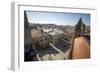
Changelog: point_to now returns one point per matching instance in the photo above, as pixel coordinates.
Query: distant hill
(67, 28)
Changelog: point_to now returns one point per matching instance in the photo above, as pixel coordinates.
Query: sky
(58, 18)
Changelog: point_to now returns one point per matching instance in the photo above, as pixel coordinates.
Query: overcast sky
(58, 18)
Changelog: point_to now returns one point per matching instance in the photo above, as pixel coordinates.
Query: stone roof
(36, 33)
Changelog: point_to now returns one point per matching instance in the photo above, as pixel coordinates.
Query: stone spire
(80, 22)
(27, 33)
(25, 20)
(79, 28)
